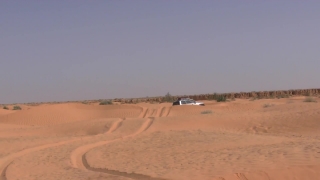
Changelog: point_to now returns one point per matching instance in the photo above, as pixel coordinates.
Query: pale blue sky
(77, 50)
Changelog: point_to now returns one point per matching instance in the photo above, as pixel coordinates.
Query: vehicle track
(241, 176)
(78, 154)
(153, 113)
(158, 112)
(7, 160)
(115, 125)
(165, 111)
(118, 173)
(143, 112)
(3, 173)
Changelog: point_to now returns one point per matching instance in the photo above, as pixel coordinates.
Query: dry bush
(206, 112)
(85, 102)
(17, 108)
(309, 99)
(106, 102)
(253, 98)
(268, 105)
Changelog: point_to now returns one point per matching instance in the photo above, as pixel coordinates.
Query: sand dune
(5, 112)
(63, 113)
(237, 140)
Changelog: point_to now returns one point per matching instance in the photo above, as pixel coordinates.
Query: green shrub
(221, 98)
(212, 96)
(215, 96)
(16, 108)
(106, 102)
(218, 97)
(5, 107)
(168, 98)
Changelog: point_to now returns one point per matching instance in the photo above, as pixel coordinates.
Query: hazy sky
(77, 49)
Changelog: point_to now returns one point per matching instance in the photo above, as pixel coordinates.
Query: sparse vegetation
(268, 105)
(253, 98)
(206, 112)
(309, 99)
(285, 96)
(211, 96)
(106, 102)
(5, 107)
(218, 97)
(308, 94)
(84, 102)
(168, 98)
(33, 104)
(17, 108)
(221, 98)
(282, 96)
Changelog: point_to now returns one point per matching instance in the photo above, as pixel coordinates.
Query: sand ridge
(241, 139)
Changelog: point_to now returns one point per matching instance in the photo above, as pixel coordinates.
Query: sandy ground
(269, 139)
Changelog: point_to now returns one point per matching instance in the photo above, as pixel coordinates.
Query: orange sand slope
(267, 139)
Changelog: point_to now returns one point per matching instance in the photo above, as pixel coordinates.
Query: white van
(187, 101)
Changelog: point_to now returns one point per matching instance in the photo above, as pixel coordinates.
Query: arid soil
(244, 139)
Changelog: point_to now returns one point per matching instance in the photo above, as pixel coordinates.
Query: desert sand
(265, 139)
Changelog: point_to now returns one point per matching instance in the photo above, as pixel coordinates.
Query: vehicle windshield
(188, 102)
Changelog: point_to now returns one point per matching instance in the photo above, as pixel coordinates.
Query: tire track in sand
(165, 111)
(160, 112)
(144, 112)
(241, 176)
(115, 125)
(4, 172)
(78, 156)
(118, 173)
(7, 160)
